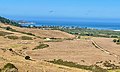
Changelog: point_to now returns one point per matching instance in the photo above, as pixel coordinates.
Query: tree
(8, 28)
(114, 40)
(118, 40)
(27, 57)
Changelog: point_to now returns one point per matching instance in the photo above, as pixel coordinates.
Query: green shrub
(26, 38)
(12, 37)
(9, 65)
(41, 46)
(8, 28)
(10, 49)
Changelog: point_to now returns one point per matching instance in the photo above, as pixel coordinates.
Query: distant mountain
(8, 21)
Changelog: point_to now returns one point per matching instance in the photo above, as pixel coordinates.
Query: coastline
(89, 25)
(116, 30)
(97, 28)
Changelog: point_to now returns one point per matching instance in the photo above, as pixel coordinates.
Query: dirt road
(105, 50)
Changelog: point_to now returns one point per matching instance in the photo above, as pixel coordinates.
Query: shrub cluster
(117, 41)
(12, 37)
(26, 38)
(112, 66)
(22, 37)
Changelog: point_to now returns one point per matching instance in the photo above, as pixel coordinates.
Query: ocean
(104, 24)
(95, 25)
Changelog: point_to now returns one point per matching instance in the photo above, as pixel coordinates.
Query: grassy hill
(15, 41)
(37, 50)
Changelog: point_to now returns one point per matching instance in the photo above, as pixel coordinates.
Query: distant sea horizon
(95, 23)
(81, 24)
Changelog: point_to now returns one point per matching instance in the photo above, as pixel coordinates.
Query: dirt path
(104, 50)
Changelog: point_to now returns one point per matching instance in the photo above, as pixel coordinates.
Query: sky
(61, 8)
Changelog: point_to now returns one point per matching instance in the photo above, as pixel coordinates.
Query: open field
(108, 44)
(19, 48)
(81, 50)
(42, 33)
(74, 50)
(23, 65)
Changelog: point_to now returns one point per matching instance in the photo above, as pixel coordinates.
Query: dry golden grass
(81, 51)
(22, 46)
(74, 50)
(42, 33)
(108, 44)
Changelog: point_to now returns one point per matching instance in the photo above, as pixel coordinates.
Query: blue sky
(61, 8)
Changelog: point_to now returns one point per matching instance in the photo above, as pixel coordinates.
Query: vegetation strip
(91, 32)
(2, 33)
(13, 30)
(9, 68)
(41, 46)
(93, 68)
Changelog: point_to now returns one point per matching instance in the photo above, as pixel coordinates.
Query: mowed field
(79, 51)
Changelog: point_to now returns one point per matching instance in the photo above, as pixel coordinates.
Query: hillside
(42, 33)
(37, 50)
(16, 41)
(38, 32)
